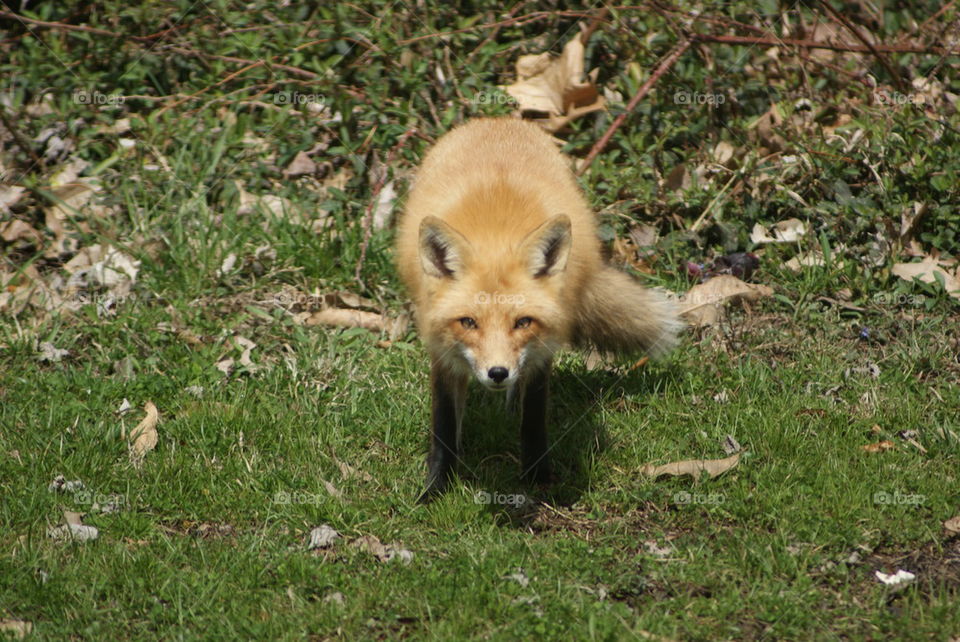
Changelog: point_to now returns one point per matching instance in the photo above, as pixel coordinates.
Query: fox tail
(618, 314)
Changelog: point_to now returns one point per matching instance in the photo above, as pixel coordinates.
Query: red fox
(499, 251)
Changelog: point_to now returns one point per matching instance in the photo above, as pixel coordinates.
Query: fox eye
(468, 322)
(522, 322)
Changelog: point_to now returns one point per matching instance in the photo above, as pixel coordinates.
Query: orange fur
(499, 251)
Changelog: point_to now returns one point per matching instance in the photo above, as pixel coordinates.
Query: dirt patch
(201, 530)
(936, 565)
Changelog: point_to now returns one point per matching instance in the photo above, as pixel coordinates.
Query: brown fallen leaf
(17, 629)
(347, 471)
(9, 195)
(703, 304)
(333, 490)
(348, 318)
(300, 165)
(953, 525)
(788, 231)
(556, 87)
(371, 544)
(143, 438)
(879, 446)
(17, 230)
(926, 272)
(693, 467)
(73, 529)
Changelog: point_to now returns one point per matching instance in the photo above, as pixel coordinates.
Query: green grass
(210, 536)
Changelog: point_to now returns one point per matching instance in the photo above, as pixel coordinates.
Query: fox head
(495, 307)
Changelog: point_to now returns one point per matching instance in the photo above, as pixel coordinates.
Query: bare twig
(297, 71)
(592, 26)
(815, 44)
(68, 27)
(637, 97)
(842, 19)
(227, 79)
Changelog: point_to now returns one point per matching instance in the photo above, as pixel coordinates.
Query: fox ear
(441, 248)
(548, 247)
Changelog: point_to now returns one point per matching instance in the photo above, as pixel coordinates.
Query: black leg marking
(448, 396)
(533, 428)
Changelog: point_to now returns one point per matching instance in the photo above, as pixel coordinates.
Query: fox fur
(498, 249)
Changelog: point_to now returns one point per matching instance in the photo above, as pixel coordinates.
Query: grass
(326, 426)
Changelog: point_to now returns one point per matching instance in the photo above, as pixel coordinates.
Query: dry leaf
(17, 230)
(556, 87)
(703, 303)
(800, 261)
(384, 553)
(74, 529)
(900, 577)
(322, 536)
(879, 446)
(143, 438)
(347, 471)
(300, 165)
(953, 525)
(102, 265)
(247, 346)
(51, 353)
(372, 321)
(693, 467)
(910, 219)
(9, 195)
(16, 628)
(723, 152)
(383, 211)
(788, 231)
(926, 270)
(333, 490)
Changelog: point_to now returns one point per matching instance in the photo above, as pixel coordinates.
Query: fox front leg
(533, 428)
(449, 397)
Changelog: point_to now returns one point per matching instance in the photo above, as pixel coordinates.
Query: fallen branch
(637, 97)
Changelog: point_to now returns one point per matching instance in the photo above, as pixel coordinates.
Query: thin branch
(303, 73)
(68, 27)
(592, 26)
(637, 97)
(839, 17)
(815, 44)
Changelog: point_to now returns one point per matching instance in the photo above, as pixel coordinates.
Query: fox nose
(498, 373)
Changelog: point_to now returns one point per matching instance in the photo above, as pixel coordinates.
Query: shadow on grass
(491, 434)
